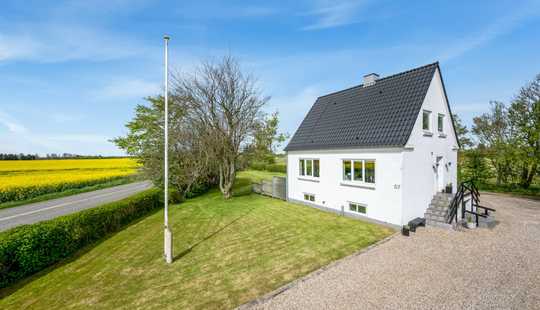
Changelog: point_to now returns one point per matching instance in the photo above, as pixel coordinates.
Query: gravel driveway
(436, 269)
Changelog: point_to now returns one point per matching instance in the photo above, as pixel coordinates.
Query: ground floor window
(358, 208)
(359, 170)
(309, 197)
(309, 167)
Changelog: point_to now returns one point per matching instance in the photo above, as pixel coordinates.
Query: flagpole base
(168, 250)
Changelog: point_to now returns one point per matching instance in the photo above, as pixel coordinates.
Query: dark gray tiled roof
(380, 115)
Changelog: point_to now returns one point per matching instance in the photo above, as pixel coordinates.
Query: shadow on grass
(5, 292)
(193, 246)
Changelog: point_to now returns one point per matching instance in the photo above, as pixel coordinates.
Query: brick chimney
(370, 79)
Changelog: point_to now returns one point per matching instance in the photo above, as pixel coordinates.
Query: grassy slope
(227, 253)
(257, 176)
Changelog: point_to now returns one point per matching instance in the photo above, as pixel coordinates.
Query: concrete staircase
(437, 213)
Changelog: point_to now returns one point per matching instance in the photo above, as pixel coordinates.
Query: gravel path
(436, 269)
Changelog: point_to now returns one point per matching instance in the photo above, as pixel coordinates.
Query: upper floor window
(426, 120)
(440, 123)
(359, 170)
(309, 167)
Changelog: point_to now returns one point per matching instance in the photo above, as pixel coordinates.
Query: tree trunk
(528, 175)
(227, 174)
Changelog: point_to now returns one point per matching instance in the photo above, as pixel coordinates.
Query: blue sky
(72, 72)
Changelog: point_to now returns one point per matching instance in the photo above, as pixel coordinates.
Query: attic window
(426, 120)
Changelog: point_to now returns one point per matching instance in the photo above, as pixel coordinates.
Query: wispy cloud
(129, 88)
(470, 108)
(204, 10)
(331, 14)
(500, 27)
(64, 42)
(11, 123)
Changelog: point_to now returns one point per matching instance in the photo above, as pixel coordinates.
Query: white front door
(440, 174)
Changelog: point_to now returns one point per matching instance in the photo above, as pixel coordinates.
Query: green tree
(475, 166)
(190, 165)
(266, 140)
(493, 132)
(524, 119)
(462, 132)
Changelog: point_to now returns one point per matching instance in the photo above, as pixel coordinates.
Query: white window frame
(352, 180)
(440, 116)
(309, 197)
(363, 205)
(429, 122)
(305, 175)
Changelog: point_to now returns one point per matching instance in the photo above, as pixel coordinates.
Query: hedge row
(269, 167)
(28, 192)
(27, 249)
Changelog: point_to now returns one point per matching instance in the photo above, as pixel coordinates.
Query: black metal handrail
(466, 189)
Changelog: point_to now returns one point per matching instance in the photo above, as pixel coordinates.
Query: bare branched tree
(223, 106)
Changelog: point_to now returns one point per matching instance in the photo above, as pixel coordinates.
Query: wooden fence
(276, 188)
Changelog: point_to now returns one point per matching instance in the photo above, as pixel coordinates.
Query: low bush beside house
(268, 167)
(27, 249)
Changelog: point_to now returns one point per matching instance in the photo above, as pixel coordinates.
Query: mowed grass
(258, 176)
(227, 252)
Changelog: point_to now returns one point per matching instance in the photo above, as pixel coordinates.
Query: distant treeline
(21, 156)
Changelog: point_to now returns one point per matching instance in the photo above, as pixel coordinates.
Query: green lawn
(257, 175)
(226, 253)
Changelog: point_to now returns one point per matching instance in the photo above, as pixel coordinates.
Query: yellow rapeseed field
(25, 179)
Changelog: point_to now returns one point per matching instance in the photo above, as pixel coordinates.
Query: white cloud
(334, 13)
(11, 124)
(470, 108)
(293, 107)
(129, 88)
(62, 118)
(500, 27)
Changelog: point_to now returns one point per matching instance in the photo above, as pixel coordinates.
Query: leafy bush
(269, 167)
(277, 168)
(27, 249)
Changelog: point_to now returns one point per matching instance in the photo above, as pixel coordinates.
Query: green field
(227, 252)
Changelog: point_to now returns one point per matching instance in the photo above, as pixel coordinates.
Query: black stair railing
(465, 190)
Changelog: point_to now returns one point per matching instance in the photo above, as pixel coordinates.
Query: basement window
(309, 197)
(358, 208)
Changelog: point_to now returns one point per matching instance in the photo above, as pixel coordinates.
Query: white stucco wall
(406, 179)
(383, 201)
(419, 185)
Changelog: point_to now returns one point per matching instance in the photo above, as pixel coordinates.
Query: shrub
(27, 249)
(261, 166)
(277, 168)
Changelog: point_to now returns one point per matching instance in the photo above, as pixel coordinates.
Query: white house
(381, 149)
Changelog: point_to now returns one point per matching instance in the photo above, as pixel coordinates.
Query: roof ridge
(384, 78)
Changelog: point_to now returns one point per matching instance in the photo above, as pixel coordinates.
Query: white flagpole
(168, 233)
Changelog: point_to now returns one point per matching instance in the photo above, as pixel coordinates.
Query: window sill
(309, 179)
(358, 184)
(442, 135)
(428, 133)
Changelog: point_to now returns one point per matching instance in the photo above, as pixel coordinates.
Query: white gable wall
(383, 200)
(419, 175)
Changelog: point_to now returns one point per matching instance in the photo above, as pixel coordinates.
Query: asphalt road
(46, 210)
